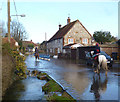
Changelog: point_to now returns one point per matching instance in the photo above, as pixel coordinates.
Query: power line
(15, 9)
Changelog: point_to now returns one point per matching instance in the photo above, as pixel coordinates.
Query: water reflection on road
(78, 78)
(27, 89)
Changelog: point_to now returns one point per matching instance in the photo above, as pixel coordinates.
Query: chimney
(68, 20)
(60, 26)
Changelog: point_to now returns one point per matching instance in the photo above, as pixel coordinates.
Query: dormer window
(70, 40)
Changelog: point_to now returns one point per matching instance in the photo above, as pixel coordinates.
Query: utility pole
(8, 20)
(45, 36)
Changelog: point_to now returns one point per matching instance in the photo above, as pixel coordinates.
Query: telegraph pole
(45, 36)
(8, 4)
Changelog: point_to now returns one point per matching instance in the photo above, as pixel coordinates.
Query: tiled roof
(30, 42)
(44, 42)
(5, 40)
(68, 46)
(71, 46)
(62, 31)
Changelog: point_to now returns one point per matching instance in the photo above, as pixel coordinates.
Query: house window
(58, 50)
(85, 41)
(56, 41)
(70, 41)
(50, 50)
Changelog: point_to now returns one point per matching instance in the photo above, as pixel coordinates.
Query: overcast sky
(44, 16)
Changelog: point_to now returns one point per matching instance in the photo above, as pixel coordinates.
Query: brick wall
(110, 48)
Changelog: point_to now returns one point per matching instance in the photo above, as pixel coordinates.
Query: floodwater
(78, 79)
(27, 89)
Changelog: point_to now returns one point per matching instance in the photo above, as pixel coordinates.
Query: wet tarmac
(79, 79)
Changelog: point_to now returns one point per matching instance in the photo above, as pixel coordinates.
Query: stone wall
(55, 46)
(8, 66)
(109, 48)
(77, 32)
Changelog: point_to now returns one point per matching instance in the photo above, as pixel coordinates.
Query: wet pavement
(78, 79)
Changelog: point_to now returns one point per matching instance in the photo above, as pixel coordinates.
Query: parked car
(89, 60)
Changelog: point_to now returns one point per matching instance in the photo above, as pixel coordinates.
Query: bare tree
(18, 31)
(3, 29)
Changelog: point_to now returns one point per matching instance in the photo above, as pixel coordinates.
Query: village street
(75, 77)
(47, 49)
(79, 79)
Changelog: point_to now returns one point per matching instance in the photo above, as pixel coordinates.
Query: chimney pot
(60, 26)
(68, 20)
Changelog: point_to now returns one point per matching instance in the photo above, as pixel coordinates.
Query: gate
(81, 51)
(73, 53)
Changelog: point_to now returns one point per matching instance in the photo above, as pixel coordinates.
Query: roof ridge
(62, 31)
(70, 23)
(85, 28)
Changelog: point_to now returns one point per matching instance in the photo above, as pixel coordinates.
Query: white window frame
(70, 40)
(51, 50)
(85, 40)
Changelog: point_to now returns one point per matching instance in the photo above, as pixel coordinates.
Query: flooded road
(79, 79)
(27, 89)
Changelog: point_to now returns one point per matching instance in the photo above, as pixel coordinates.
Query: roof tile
(62, 31)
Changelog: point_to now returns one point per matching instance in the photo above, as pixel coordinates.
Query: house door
(56, 51)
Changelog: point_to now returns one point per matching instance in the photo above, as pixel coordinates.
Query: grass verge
(54, 92)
